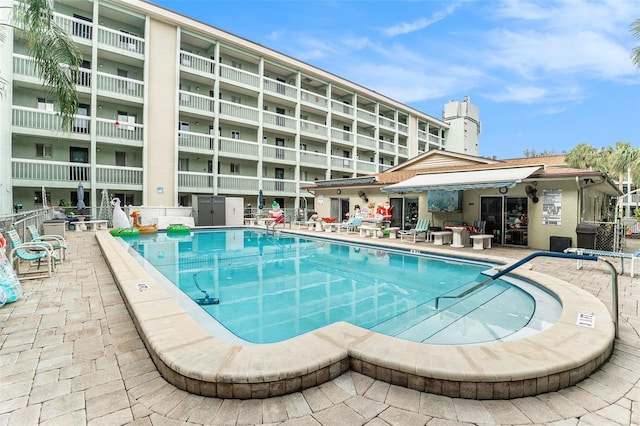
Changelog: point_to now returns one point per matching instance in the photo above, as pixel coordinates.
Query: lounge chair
(57, 241)
(345, 224)
(34, 253)
(422, 227)
(604, 253)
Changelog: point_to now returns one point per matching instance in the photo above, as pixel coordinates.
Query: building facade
(170, 107)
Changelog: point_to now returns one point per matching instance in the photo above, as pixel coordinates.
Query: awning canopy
(471, 179)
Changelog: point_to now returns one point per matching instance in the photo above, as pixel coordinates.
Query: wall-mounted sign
(552, 207)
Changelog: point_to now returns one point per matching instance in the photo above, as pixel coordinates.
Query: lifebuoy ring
(178, 229)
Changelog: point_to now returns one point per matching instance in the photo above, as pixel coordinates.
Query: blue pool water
(271, 288)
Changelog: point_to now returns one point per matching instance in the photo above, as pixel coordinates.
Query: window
(235, 134)
(44, 150)
(81, 121)
(125, 159)
(279, 175)
(126, 199)
(37, 197)
(45, 104)
(236, 99)
(124, 118)
(234, 168)
(183, 164)
(183, 128)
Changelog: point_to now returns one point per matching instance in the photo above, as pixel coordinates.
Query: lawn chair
(57, 241)
(421, 227)
(34, 253)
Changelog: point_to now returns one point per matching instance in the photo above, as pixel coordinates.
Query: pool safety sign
(586, 319)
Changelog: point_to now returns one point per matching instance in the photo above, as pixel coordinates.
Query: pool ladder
(506, 270)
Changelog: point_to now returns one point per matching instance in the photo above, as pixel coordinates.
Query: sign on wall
(552, 207)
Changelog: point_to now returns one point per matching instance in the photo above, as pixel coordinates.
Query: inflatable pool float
(178, 229)
(144, 229)
(124, 232)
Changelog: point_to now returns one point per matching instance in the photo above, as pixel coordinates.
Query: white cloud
(419, 24)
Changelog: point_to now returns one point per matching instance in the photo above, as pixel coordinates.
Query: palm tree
(57, 58)
(635, 53)
(622, 159)
(583, 156)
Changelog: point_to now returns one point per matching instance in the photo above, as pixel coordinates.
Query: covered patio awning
(470, 179)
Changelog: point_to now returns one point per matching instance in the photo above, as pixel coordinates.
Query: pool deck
(70, 354)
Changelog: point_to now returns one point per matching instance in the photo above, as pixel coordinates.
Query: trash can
(55, 227)
(586, 235)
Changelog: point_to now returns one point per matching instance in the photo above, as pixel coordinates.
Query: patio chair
(58, 242)
(32, 252)
(422, 227)
(345, 224)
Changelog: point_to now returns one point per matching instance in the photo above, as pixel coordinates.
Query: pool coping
(191, 359)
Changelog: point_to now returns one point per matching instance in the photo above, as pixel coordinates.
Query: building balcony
(278, 154)
(387, 123)
(281, 187)
(120, 88)
(237, 76)
(195, 182)
(37, 122)
(312, 129)
(366, 142)
(238, 148)
(366, 116)
(195, 142)
(280, 89)
(198, 65)
(121, 43)
(342, 164)
(403, 128)
(279, 121)
(387, 147)
(26, 172)
(197, 104)
(342, 109)
(117, 133)
(366, 167)
(236, 184)
(341, 137)
(238, 112)
(313, 99)
(403, 151)
(308, 158)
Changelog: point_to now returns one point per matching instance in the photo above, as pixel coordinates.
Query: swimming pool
(264, 289)
(196, 359)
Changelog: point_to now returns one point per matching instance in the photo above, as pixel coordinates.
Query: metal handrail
(614, 278)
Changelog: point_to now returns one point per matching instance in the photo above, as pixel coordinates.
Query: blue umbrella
(81, 206)
(260, 200)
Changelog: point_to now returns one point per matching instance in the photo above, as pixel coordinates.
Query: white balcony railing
(311, 128)
(119, 175)
(197, 141)
(403, 128)
(79, 29)
(120, 85)
(313, 159)
(278, 153)
(113, 129)
(366, 142)
(279, 120)
(237, 147)
(25, 66)
(237, 183)
(343, 136)
(387, 146)
(313, 98)
(121, 41)
(279, 185)
(341, 163)
(342, 108)
(280, 88)
(191, 62)
(367, 116)
(366, 167)
(194, 181)
(197, 102)
(403, 151)
(387, 122)
(422, 135)
(238, 111)
(49, 171)
(237, 75)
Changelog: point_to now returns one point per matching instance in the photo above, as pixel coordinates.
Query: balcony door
(78, 155)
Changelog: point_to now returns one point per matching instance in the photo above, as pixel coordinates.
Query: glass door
(506, 218)
(491, 211)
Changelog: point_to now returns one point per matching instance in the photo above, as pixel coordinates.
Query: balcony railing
(342, 163)
(387, 147)
(37, 119)
(286, 187)
(341, 136)
(121, 41)
(279, 120)
(59, 171)
(387, 122)
(237, 147)
(366, 167)
(237, 75)
(78, 28)
(25, 66)
(197, 103)
(313, 99)
(239, 184)
(119, 175)
(280, 88)
(422, 135)
(313, 159)
(278, 153)
(403, 128)
(366, 142)
(120, 86)
(238, 111)
(342, 108)
(119, 132)
(192, 140)
(403, 151)
(200, 64)
(311, 128)
(367, 116)
(193, 181)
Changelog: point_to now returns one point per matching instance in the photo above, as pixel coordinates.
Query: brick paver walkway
(70, 355)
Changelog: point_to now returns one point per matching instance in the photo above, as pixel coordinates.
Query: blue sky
(545, 75)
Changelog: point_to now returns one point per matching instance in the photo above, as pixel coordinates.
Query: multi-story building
(171, 107)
